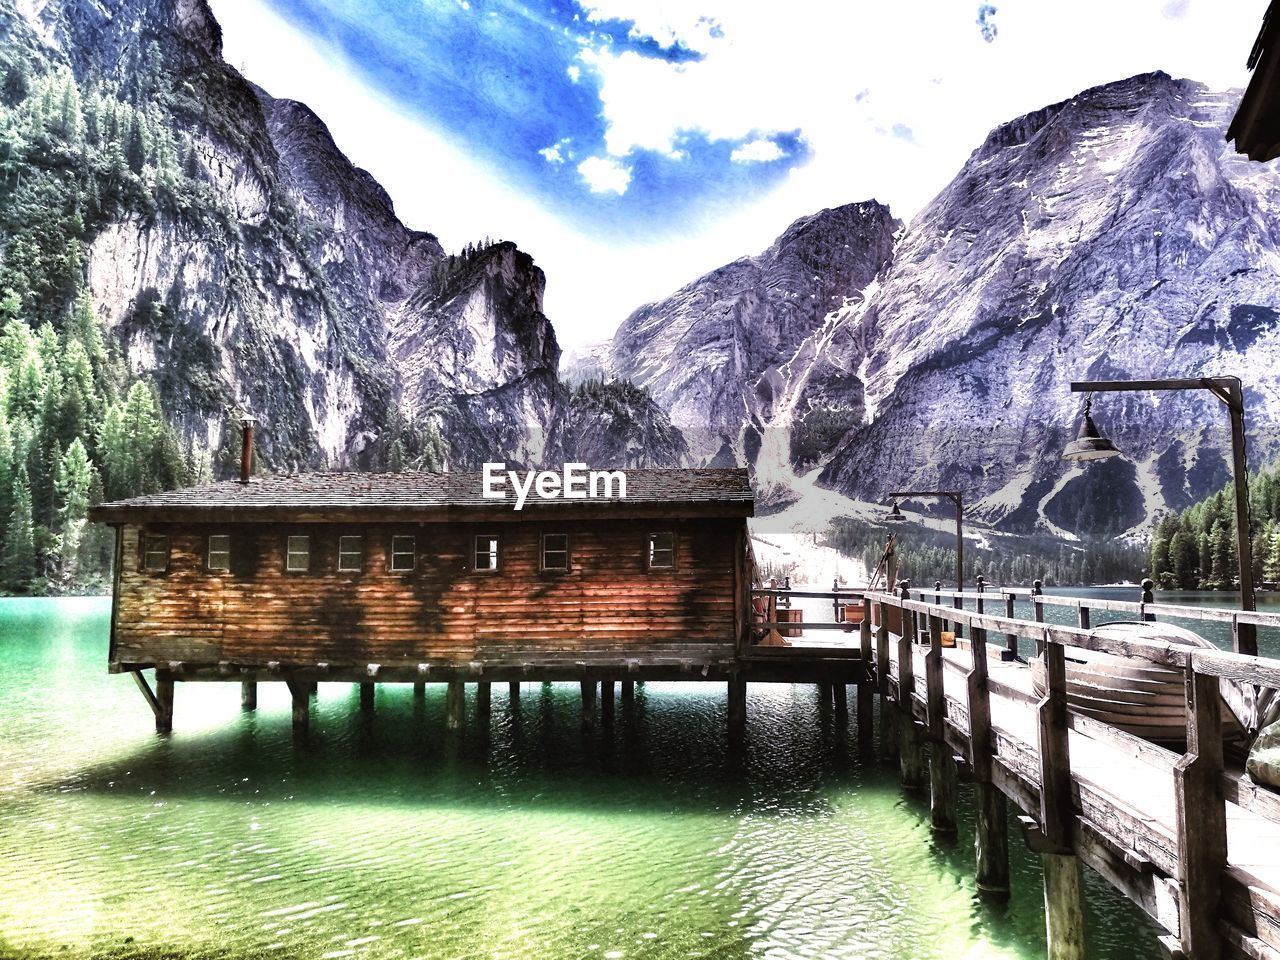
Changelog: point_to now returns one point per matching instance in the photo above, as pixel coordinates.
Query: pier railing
(769, 632)
(1209, 913)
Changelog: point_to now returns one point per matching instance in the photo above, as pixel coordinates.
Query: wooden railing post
(1148, 596)
(1082, 617)
(991, 833)
(1201, 818)
(942, 763)
(866, 685)
(1037, 611)
(1063, 896)
(1010, 639)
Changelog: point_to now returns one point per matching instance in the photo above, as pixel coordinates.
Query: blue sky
(631, 145)
(519, 84)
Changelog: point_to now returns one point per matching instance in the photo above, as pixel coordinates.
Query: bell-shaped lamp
(1089, 443)
(895, 515)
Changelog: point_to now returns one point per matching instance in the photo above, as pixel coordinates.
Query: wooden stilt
(588, 703)
(606, 700)
(513, 694)
(866, 716)
(888, 735)
(991, 839)
(419, 690)
(824, 694)
(942, 763)
(249, 695)
(737, 709)
(991, 833)
(484, 697)
(366, 697)
(628, 692)
(1063, 906)
(942, 788)
(300, 692)
(840, 698)
(314, 690)
(455, 704)
(164, 703)
(911, 759)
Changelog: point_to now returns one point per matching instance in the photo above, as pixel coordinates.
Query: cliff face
(258, 268)
(710, 353)
(1116, 235)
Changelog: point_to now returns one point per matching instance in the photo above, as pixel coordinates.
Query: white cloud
(555, 154)
(757, 151)
(605, 175)
(575, 72)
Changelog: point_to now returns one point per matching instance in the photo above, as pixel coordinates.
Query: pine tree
(73, 487)
(18, 552)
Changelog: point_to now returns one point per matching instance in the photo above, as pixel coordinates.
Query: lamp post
(1092, 445)
(954, 496)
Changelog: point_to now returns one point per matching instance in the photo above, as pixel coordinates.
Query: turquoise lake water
(523, 836)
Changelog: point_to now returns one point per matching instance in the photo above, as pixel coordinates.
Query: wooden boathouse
(418, 577)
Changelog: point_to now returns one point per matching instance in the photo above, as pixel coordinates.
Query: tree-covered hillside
(1196, 548)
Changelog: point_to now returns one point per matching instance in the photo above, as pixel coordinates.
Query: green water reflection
(523, 837)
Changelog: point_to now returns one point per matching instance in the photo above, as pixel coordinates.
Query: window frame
(650, 550)
(495, 553)
(567, 551)
(209, 553)
(145, 550)
(359, 552)
(289, 553)
(412, 552)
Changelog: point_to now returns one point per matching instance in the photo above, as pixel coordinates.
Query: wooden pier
(1194, 843)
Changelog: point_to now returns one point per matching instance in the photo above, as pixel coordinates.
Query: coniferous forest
(1196, 548)
(73, 427)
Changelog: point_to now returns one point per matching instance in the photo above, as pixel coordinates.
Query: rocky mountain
(710, 354)
(1113, 235)
(241, 261)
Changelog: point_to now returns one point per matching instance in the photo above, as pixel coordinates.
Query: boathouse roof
(339, 497)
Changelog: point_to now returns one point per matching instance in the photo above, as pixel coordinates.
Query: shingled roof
(336, 497)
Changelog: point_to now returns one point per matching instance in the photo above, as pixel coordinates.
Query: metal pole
(959, 543)
(1247, 633)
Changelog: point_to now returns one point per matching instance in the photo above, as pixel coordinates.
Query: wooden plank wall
(443, 611)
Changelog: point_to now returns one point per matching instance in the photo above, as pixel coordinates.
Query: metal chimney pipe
(246, 448)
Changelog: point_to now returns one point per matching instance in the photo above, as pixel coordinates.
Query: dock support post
(888, 737)
(1063, 896)
(1201, 818)
(910, 746)
(588, 703)
(513, 694)
(737, 709)
(606, 701)
(455, 702)
(419, 690)
(300, 693)
(366, 697)
(942, 763)
(164, 702)
(991, 834)
(824, 694)
(1063, 906)
(484, 697)
(840, 697)
(249, 695)
(866, 717)
(628, 693)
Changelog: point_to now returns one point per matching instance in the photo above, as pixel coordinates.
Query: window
(298, 555)
(404, 553)
(350, 554)
(219, 556)
(662, 551)
(155, 553)
(486, 552)
(555, 552)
